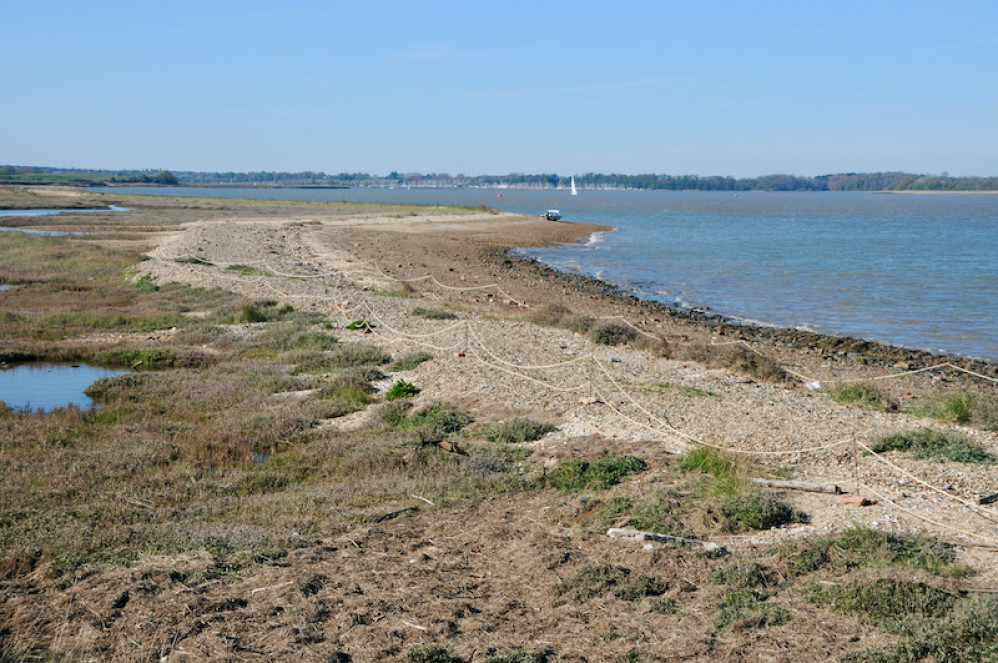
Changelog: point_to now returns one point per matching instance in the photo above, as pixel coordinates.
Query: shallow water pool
(43, 386)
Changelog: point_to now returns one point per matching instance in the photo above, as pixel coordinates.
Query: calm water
(914, 270)
(51, 212)
(44, 386)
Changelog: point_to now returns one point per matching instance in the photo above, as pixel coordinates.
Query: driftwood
(631, 534)
(988, 499)
(800, 485)
(393, 514)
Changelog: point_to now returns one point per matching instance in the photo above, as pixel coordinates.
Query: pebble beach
(489, 357)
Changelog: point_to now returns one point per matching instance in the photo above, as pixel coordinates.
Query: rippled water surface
(913, 270)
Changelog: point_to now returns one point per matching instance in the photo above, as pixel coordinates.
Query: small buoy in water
(500, 195)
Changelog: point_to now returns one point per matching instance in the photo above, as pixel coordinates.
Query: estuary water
(919, 271)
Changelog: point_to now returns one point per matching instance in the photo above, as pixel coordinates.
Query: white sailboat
(574, 192)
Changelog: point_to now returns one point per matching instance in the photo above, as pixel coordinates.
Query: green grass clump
(433, 313)
(266, 310)
(349, 390)
(863, 395)
(748, 609)
(521, 656)
(145, 284)
(246, 270)
(401, 389)
(884, 601)
(555, 315)
(858, 547)
(155, 358)
(968, 632)
(430, 654)
(756, 510)
(409, 361)
(743, 573)
(438, 420)
(357, 354)
(934, 624)
(955, 407)
(986, 412)
(575, 475)
(661, 512)
(935, 445)
(600, 579)
(612, 333)
(432, 423)
(191, 260)
(726, 476)
(517, 431)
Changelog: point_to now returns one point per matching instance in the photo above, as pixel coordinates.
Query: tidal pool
(43, 386)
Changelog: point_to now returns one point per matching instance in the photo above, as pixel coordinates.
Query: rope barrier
(974, 507)
(567, 362)
(499, 367)
(474, 343)
(932, 521)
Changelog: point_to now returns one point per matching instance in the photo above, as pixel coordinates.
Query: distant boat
(574, 192)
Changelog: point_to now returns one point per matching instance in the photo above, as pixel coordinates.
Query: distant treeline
(889, 181)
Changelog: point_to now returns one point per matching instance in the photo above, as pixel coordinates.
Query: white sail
(574, 192)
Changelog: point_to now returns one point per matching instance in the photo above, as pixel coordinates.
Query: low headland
(358, 432)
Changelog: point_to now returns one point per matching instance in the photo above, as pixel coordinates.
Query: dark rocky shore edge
(648, 313)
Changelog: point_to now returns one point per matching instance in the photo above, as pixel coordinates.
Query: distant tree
(7, 172)
(165, 177)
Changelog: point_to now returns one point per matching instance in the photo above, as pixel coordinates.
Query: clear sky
(723, 87)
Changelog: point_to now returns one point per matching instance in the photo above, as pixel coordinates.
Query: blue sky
(712, 88)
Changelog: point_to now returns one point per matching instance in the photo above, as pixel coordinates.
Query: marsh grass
(612, 333)
(401, 389)
(884, 601)
(433, 313)
(859, 547)
(730, 502)
(863, 395)
(754, 364)
(516, 431)
(932, 623)
(956, 406)
(986, 411)
(430, 654)
(553, 315)
(749, 609)
(935, 445)
(745, 573)
(408, 362)
(599, 579)
(739, 359)
(246, 270)
(727, 478)
(575, 474)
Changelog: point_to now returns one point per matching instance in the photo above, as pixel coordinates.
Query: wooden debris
(631, 534)
(800, 485)
(855, 500)
(588, 400)
(394, 514)
(988, 499)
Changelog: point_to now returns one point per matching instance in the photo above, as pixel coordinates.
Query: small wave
(595, 239)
